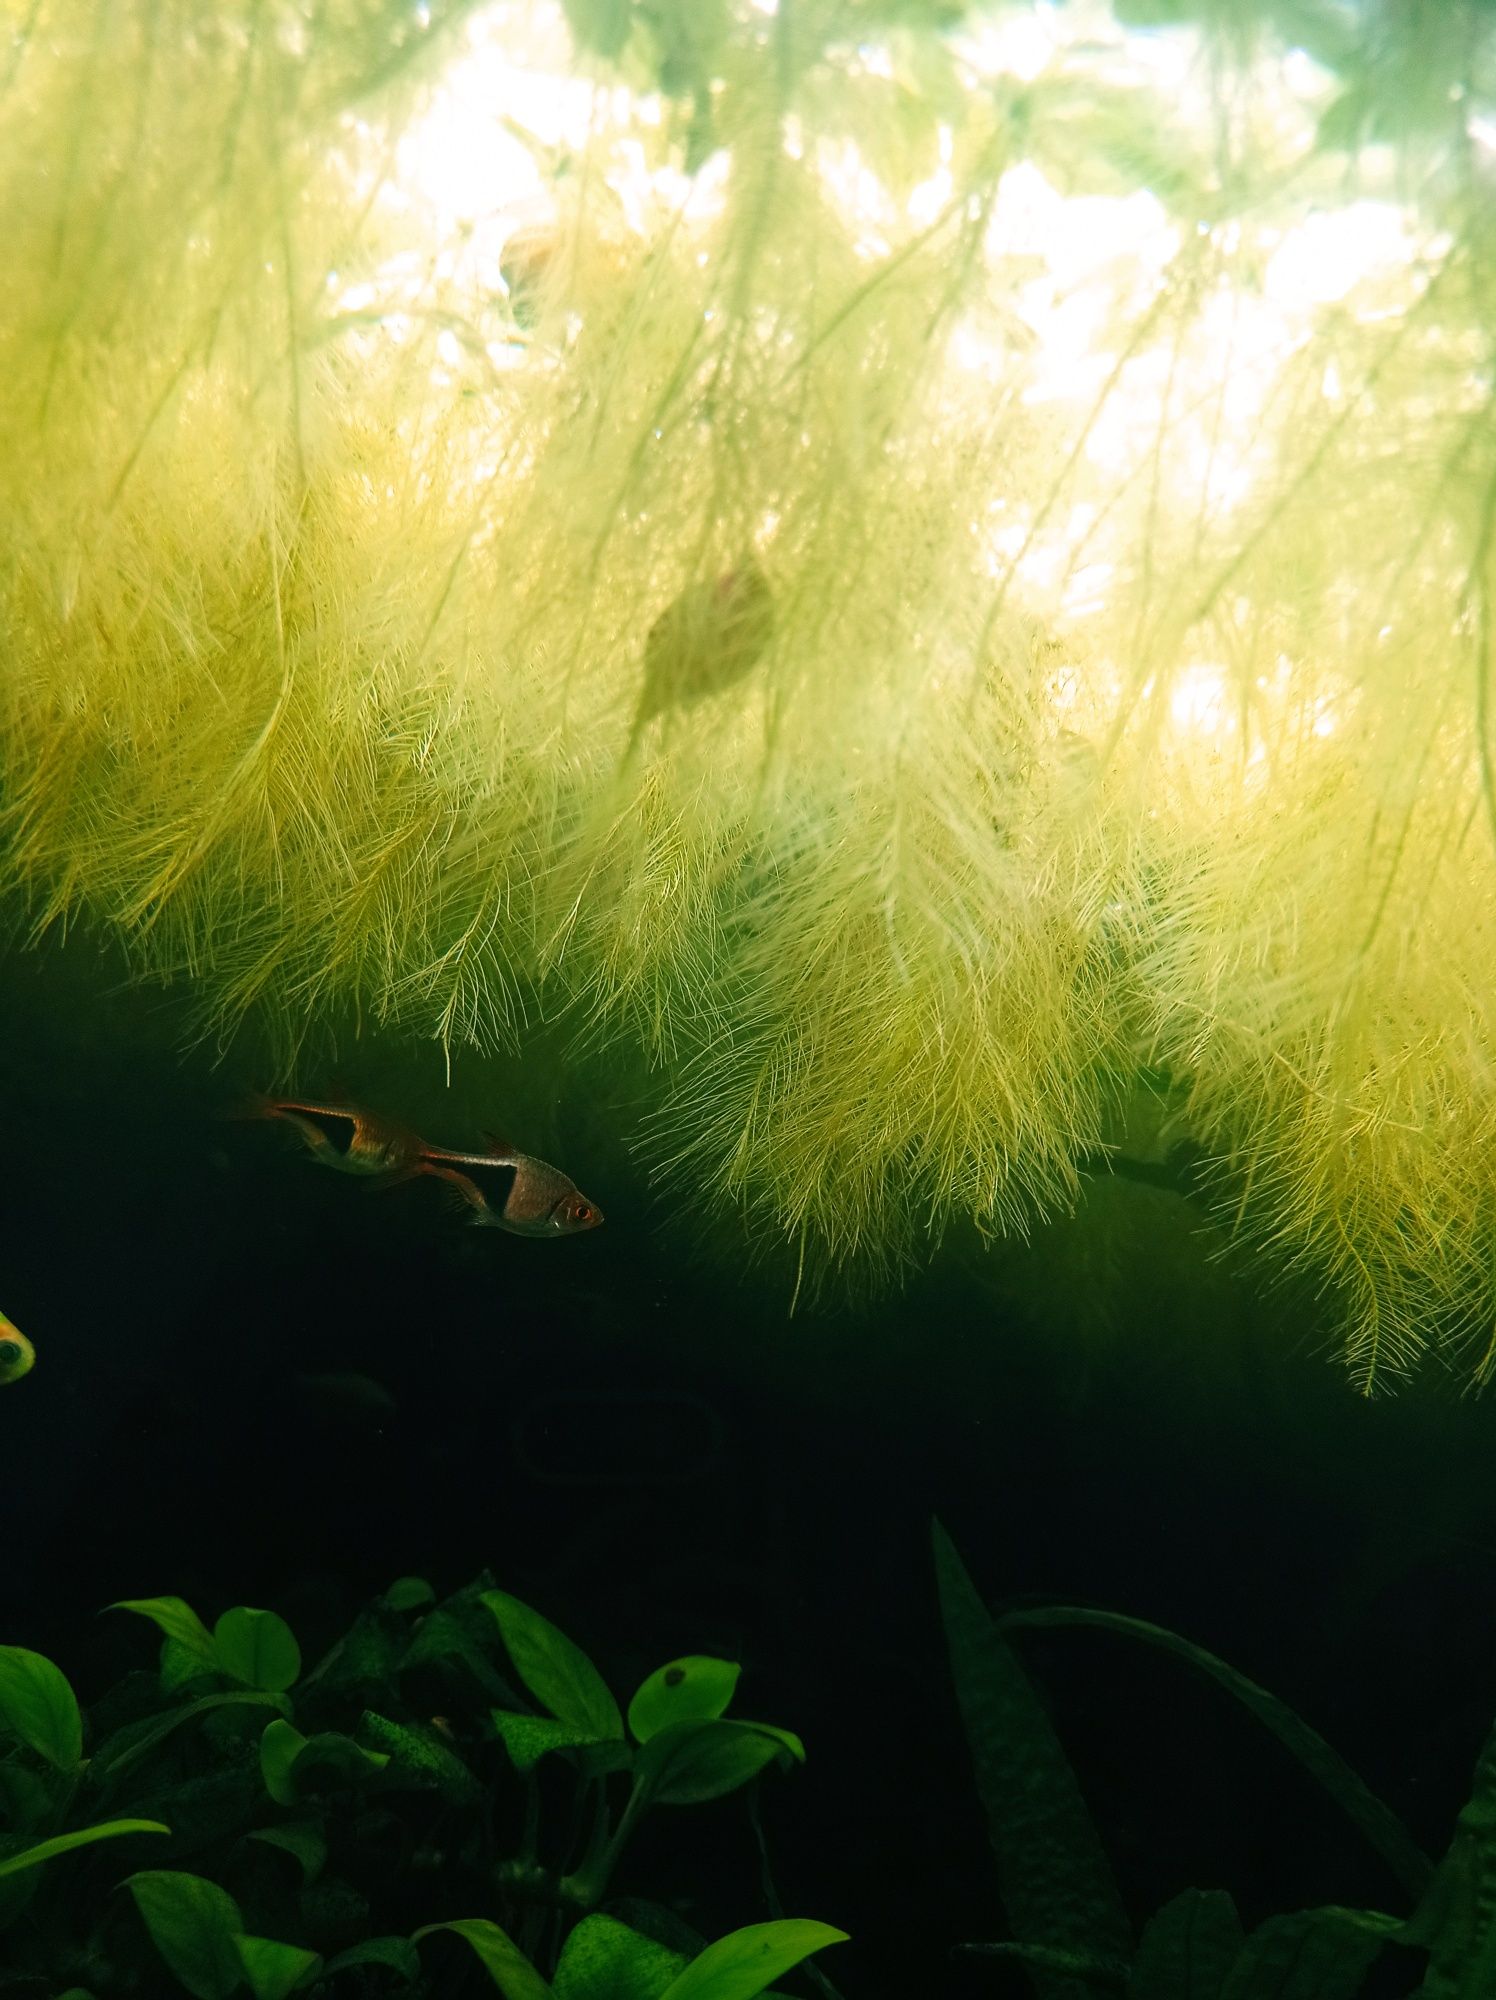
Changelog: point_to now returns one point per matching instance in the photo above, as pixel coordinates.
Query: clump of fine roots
(838, 559)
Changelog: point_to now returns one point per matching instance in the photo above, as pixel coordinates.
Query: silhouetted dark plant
(1070, 1930)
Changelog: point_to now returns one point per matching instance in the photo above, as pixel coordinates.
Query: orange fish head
(574, 1213)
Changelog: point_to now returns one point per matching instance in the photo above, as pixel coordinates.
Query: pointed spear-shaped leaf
(557, 1672)
(1053, 1875)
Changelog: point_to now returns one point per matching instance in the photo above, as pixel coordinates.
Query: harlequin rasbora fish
(540, 1199)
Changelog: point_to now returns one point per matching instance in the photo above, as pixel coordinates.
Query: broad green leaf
(37, 1703)
(303, 1839)
(604, 1959)
(280, 1746)
(257, 1648)
(688, 1762)
(64, 1843)
(1378, 1823)
(193, 1924)
(1187, 1949)
(557, 1673)
(177, 1620)
(418, 1758)
(180, 1666)
(366, 1660)
(294, 1765)
(108, 1765)
(441, 1640)
(409, 1593)
(275, 1970)
(683, 1690)
(527, 1738)
(331, 1761)
(741, 1965)
(1320, 1954)
(397, 1953)
(500, 1957)
(1053, 1876)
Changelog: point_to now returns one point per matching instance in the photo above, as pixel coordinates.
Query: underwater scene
(748, 874)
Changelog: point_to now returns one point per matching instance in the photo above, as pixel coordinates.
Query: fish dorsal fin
(499, 1147)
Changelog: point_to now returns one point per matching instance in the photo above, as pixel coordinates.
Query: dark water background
(632, 1434)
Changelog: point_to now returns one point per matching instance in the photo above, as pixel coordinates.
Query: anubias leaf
(683, 1690)
(193, 1924)
(688, 1762)
(1187, 1949)
(417, 1758)
(84, 1836)
(1322, 1954)
(557, 1672)
(528, 1738)
(603, 1959)
(500, 1957)
(275, 1970)
(37, 1704)
(176, 1619)
(257, 1648)
(740, 1965)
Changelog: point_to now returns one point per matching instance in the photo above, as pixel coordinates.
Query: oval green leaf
(409, 1593)
(280, 1746)
(688, 1762)
(38, 1704)
(603, 1959)
(302, 1839)
(193, 1924)
(683, 1690)
(333, 1762)
(257, 1648)
(85, 1836)
(275, 1970)
(558, 1673)
(743, 1963)
(500, 1957)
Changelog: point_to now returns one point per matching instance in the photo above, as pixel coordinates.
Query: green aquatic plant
(1070, 1931)
(311, 1825)
(1100, 409)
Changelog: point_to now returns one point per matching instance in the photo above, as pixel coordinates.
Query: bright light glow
(1202, 703)
(1074, 274)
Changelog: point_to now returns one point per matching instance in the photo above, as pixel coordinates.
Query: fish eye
(10, 1350)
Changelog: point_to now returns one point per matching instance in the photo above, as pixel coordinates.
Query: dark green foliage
(1057, 1890)
(303, 1826)
(1383, 1829)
